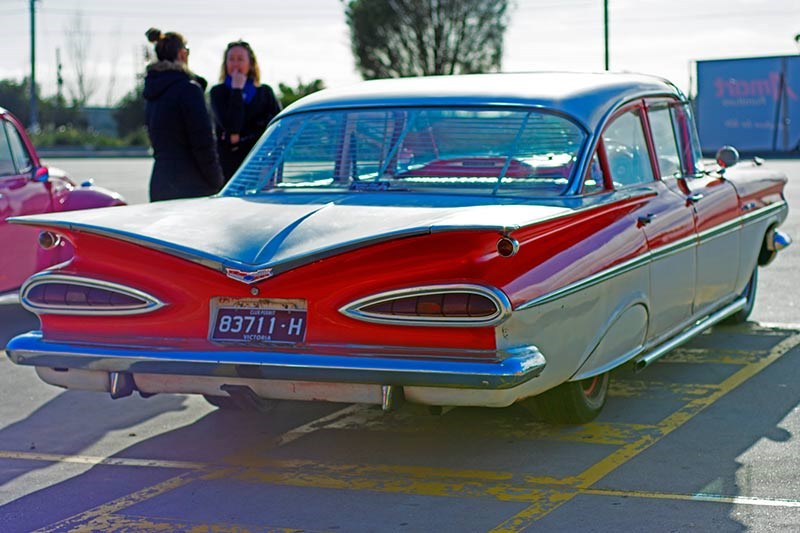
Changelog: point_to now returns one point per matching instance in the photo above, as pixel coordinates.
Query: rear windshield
(451, 150)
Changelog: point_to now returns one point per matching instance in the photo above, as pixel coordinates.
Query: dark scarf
(248, 92)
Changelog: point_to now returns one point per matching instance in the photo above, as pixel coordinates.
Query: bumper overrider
(505, 369)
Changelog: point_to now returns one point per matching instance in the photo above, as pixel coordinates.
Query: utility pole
(34, 120)
(59, 77)
(605, 30)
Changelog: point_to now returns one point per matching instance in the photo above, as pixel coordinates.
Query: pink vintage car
(448, 241)
(27, 188)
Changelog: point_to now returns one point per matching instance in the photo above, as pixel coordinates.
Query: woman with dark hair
(186, 162)
(242, 105)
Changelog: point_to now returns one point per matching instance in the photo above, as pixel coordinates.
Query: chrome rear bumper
(508, 369)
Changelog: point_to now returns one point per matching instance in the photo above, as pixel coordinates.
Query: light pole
(605, 30)
(34, 120)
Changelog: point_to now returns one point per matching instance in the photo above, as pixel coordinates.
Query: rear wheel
(749, 293)
(573, 402)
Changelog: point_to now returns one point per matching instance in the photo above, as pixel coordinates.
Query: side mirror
(41, 174)
(727, 156)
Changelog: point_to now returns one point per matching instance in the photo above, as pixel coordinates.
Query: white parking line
(697, 497)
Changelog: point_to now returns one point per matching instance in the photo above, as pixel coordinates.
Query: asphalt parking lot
(704, 439)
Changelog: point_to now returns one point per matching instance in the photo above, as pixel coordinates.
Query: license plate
(254, 320)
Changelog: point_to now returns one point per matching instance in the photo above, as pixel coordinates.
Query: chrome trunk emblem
(248, 276)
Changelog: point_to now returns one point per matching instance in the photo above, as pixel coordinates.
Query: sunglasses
(244, 44)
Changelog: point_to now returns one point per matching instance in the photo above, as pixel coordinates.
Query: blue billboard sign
(752, 104)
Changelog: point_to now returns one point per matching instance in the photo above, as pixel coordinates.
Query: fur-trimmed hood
(162, 75)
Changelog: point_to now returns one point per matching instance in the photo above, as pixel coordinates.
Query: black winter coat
(186, 162)
(249, 120)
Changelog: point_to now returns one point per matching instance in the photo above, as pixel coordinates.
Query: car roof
(587, 97)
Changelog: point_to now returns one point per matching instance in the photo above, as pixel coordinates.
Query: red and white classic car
(450, 241)
(27, 187)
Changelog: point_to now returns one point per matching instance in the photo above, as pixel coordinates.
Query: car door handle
(646, 219)
(694, 198)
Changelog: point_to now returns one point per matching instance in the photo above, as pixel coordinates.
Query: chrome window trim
(150, 303)
(501, 301)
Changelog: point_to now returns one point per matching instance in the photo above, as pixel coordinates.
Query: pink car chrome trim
(149, 303)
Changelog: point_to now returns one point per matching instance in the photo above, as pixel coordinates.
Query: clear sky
(308, 39)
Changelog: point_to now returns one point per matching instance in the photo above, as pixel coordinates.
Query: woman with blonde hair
(186, 162)
(242, 106)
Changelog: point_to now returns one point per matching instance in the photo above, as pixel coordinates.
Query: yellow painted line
(300, 466)
(698, 497)
(364, 479)
(113, 523)
(605, 466)
(76, 522)
(613, 434)
(545, 494)
(639, 388)
(686, 413)
(288, 465)
(704, 356)
(603, 433)
(79, 522)
(97, 460)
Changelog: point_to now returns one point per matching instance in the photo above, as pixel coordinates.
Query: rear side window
(7, 167)
(665, 141)
(626, 150)
(18, 150)
(688, 140)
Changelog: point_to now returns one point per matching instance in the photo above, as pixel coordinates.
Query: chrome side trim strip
(721, 230)
(501, 301)
(674, 247)
(653, 255)
(594, 279)
(645, 359)
(763, 212)
(511, 368)
(151, 303)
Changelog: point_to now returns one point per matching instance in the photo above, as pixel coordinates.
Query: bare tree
(112, 78)
(399, 38)
(79, 47)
